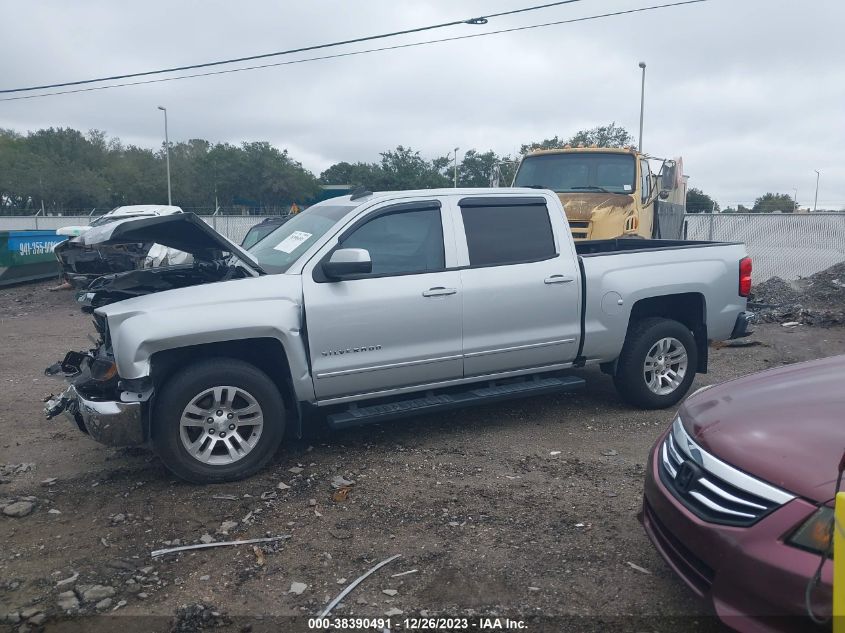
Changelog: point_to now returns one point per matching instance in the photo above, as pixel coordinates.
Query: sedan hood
(182, 231)
(785, 426)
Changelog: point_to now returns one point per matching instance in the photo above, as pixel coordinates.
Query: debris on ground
(340, 494)
(225, 497)
(259, 555)
(342, 482)
(737, 342)
(249, 541)
(297, 588)
(197, 617)
(636, 567)
(68, 581)
(815, 300)
(357, 582)
(11, 470)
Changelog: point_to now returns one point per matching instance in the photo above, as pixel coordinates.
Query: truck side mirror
(667, 178)
(347, 262)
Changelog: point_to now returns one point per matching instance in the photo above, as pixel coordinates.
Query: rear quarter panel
(712, 271)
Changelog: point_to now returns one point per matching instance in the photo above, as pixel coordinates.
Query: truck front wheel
(657, 364)
(217, 420)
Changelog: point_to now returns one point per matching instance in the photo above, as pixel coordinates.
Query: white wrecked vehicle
(81, 264)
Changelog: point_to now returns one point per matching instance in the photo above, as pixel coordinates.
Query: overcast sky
(750, 92)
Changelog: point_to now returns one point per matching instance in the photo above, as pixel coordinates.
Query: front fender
(213, 313)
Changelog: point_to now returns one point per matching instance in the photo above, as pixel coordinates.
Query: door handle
(439, 291)
(558, 279)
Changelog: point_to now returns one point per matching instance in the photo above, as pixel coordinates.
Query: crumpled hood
(785, 426)
(182, 231)
(583, 205)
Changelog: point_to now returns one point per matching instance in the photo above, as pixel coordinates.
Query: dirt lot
(521, 510)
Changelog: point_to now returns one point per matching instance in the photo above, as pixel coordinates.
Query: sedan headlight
(815, 533)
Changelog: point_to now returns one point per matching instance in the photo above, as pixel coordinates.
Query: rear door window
(500, 235)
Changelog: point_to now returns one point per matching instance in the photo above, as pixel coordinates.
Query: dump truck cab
(608, 192)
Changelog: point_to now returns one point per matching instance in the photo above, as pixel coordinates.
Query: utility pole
(795, 200)
(642, 106)
(167, 155)
(456, 167)
(816, 201)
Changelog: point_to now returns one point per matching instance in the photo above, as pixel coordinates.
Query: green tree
(610, 135)
(700, 202)
(63, 168)
(603, 136)
(399, 169)
(476, 168)
(771, 202)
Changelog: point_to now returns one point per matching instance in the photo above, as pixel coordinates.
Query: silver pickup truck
(381, 305)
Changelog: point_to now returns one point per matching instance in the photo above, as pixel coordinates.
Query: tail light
(744, 276)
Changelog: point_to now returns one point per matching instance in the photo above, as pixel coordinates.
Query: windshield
(281, 248)
(576, 172)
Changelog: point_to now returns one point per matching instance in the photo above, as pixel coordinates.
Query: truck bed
(589, 248)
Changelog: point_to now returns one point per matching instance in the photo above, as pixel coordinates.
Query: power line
(473, 21)
(361, 52)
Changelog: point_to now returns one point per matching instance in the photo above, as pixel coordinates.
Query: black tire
(181, 389)
(630, 377)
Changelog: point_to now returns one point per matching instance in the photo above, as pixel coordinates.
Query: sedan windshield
(281, 248)
(577, 172)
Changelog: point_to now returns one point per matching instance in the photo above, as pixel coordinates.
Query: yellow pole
(839, 565)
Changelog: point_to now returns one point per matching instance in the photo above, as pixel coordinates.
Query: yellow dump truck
(610, 192)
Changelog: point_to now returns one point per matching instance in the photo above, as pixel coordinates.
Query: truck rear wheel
(658, 363)
(217, 420)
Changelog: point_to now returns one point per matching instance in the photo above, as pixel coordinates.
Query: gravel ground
(524, 510)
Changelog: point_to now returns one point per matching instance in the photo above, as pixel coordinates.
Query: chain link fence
(784, 245)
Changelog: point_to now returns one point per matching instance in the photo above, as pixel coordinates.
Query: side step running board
(479, 393)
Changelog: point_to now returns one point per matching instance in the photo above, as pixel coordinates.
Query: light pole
(642, 106)
(456, 166)
(167, 155)
(816, 201)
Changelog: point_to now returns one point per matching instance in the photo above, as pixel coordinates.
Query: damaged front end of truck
(111, 409)
(96, 400)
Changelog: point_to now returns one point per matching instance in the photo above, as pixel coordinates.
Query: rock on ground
(18, 509)
(97, 592)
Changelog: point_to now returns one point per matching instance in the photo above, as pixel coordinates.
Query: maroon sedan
(739, 493)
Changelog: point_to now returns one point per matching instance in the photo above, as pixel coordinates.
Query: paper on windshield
(292, 241)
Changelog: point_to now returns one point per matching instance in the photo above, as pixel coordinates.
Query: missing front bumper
(109, 422)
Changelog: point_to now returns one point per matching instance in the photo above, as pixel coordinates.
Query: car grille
(710, 488)
(580, 229)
